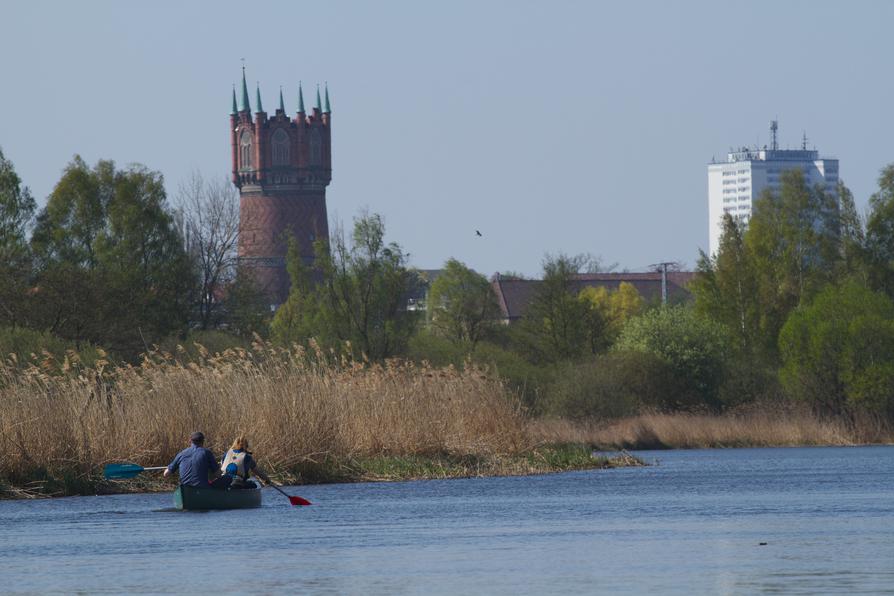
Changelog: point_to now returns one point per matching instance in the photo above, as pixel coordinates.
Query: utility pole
(662, 267)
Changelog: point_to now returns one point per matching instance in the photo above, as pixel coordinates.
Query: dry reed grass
(760, 425)
(297, 407)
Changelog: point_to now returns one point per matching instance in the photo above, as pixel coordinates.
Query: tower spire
(300, 99)
(235, 109)
(245, 107)
(327, 110)
(258, 95)
(319, 107)
(282, 106)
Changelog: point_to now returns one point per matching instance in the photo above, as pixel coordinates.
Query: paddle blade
(121, 471)
(298, 501)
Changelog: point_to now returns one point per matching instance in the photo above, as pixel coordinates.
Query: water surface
(692, 524)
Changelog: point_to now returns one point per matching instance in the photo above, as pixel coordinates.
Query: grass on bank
(760, 425)
(310, 416)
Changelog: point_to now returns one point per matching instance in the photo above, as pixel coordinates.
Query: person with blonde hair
(238, 464)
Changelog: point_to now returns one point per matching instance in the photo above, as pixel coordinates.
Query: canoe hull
(201, 498)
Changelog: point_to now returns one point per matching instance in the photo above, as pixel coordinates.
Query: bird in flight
(477, 233)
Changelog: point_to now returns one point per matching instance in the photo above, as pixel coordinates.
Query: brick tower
(281, 166)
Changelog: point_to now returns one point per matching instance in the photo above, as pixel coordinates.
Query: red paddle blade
(298, 501)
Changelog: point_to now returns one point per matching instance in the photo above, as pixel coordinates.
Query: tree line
(110, 262)
(796, 305)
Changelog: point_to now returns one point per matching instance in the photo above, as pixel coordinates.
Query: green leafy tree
(838, 352)
(297, 319)
(365, 290)
(726, 289)
(112, 265)
(247, 309)
(792, 240)
(555, 316)
(880, 233)
(851, 236)
(695, 347)
(361, 298)
(462, 304)
(606, 311)
(16, 214)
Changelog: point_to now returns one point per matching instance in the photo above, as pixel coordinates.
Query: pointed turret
(282, 105)
(245, 107)
(327, 110)
(235, 109)
(300, 99)
(318, 107)
(258, 96)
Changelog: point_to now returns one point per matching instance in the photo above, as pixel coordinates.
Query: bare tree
(210, 222)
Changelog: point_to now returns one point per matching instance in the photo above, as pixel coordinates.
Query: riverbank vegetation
(311, 415)
(126, 322)
(773, 425)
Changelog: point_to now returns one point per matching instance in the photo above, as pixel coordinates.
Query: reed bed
(761, 425)
(302, 411)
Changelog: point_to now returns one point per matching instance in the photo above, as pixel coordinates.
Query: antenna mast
(774, 126)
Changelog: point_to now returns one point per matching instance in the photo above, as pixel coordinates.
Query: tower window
(316, 148)
(280, 144)
(245, 149)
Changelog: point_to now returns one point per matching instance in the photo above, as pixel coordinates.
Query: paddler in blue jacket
(195, 463)
(238, 464)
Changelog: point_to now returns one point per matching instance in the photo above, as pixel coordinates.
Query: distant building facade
(281, 166)
(515, 295)
(733, 186)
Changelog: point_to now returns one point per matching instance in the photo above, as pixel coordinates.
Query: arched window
(280, 148)
(245, 149)
(316, 148)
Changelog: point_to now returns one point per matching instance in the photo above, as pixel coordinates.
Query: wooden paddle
(124, 471)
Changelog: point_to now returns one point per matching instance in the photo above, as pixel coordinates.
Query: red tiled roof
(515, 295)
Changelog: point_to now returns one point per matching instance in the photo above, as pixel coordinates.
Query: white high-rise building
(733, 186)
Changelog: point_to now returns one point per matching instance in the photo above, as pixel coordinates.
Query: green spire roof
(319, 107)
(300, 99)
(282, 105)
(235, 109)
(260, 107)
(245, 107)
(327, 110)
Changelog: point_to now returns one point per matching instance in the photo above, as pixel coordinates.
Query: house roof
(515, 295)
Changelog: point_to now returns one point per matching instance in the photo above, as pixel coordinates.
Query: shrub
(838, 352)
(695, 348)
(528, 380)
(20, 346)
(435, 349)
(214, 342)
(611, 386)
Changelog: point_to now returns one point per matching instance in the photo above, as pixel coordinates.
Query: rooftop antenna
(804, 141)
(774, 126)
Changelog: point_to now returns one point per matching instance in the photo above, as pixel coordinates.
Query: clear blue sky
(549, 126)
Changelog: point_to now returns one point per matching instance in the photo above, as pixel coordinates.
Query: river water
(693, 523)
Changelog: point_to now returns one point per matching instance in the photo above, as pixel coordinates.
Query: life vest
(234, 463)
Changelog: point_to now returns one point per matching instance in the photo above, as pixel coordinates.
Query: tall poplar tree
(792, 239)
(880, 233)
(726, 290)
(16, 214)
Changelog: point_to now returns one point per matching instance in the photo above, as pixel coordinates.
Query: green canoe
(201, 498)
